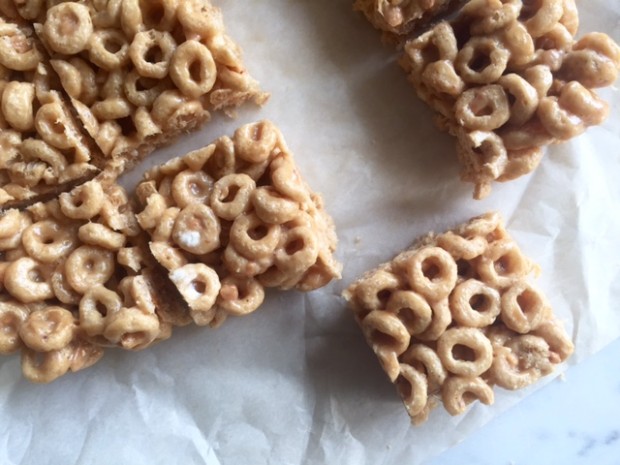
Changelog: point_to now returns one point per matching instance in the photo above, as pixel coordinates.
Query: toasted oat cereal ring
(49, 329)
(254, 142)
(474, 304)
(523, 307)
(48, 240)
(412, 387)
(137, 15)
(254, 238)
(439, 323)
(482, 108)
(189, 187)
(441, 76)
(200, 17)
(482, 60)
(198, 284)
(61, 288)
(438, 44)
(174, 111)
(385, 332)
(522, 362)
(12, 315)
(231, 195)
(431, 272)
(465, 351)
(240, 296)
(67, 28)
(151, 52)
(101, 236)
(131, 328)
(37, 150)
(17, 52)
(502, 264)
(412, 309)
(197, 229)
(559, 342)
(26, 280)
(239, 265)
(193, 69)
(524, 98)
(17, 105)
(45, 367)
(83, 202)
(286, 179)
(272, 207)
(425, 360)
(112, 108)
(108, 49)
(50, 122)
(458, 392)
(10, 224)
(495, 16)
(89, 266)
(460, 247)
(541, 16)
(374, 292)
(142, 91)
(298, 250)
(519, 43)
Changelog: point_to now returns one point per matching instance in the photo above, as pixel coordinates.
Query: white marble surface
(574, 420)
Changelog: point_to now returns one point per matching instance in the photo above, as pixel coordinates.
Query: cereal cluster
(41, 148)
(75, 278)
(400, 16)
(455, 315)
(233, 218)
(140, 73)
(508, 78)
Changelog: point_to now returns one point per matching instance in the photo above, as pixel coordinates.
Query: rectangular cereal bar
(508, 78)
(456, 315)
(42, 150)
(141, 73)
(233, 218)
(75, 277)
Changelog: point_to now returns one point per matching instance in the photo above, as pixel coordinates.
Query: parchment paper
(295, 382)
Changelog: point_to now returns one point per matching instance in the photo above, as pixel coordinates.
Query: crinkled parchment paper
(295, 382)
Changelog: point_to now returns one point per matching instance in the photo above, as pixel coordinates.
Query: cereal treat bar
(400, 17)
(141, 73)
(507, 78)
(233, 218)
(75, 277)
(41, 148)
(456, 315)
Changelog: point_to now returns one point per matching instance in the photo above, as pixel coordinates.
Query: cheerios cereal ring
(197, 229)
(240, 296)
(131, 328)
(523, 307)
(25, 280)
(272, 207)
(88, 266)
(432, 272)
(412, 309)
(231, 195)
(108, 49)
(254, 238)
(48, 240)
(458, 392)
(67, 28)
(200, 286)
(475, 304)
(84, 202)
(45, 367)
(472, 339)
(151, 52)
(12, 315)
(297, 251)
(92, 320)
(48, 329)
(468, 57)
(193, 69)
(190, 187)
(254, 142)
(385, 332)
(412, 387)
(426, 360)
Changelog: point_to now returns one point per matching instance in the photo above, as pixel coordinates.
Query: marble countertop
(574, 420)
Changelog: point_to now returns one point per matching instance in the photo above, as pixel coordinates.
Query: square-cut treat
(42, 150)
(141, 73)
(76, 277)
(456, 315)
(401, 17)
(507, 78)
(233, 218)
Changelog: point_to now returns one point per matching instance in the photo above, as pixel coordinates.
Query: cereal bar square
(75, 277)
(233, 218)
(42, 150)
(456, 315)
(508, 78)
(141, 73)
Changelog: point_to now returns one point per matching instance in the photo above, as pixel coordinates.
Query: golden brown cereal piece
(514, 82)
(456, 314)
(230, 219)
